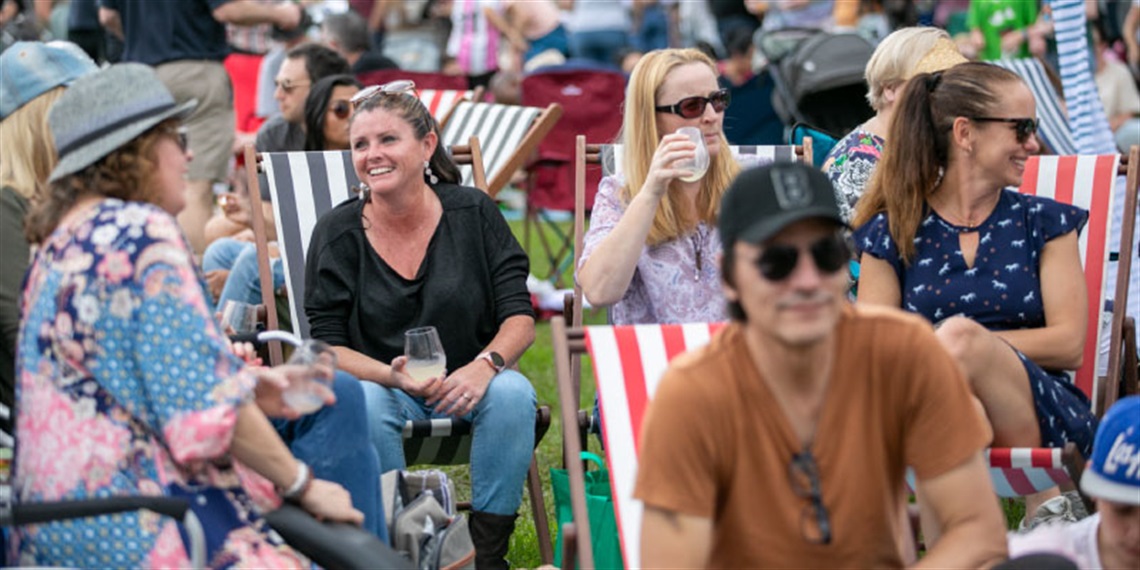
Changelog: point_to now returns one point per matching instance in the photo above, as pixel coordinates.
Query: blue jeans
(240, 258)
(503, 443)
(333, 441)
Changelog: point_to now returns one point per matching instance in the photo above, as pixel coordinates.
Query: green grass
(538, 365)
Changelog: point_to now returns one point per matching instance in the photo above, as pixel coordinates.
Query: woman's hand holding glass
(675, 157)
(463, 390)
(274, 383)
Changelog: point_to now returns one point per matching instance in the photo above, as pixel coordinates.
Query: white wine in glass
(699, 165)
(426, 359)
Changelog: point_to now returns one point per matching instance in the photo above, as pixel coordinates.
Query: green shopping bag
(600, 507)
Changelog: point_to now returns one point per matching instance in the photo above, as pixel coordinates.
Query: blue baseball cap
(30, 69)
(1113, 471)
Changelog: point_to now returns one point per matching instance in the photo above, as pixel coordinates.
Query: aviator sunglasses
(1024, 127)
(815, 522)
(778, 261)
(341, 108)
(693, 107)
(398, 87)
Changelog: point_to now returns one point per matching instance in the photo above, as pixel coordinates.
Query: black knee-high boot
(491, 534)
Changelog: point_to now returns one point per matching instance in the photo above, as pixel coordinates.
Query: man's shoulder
(279, 135)
(722, 350)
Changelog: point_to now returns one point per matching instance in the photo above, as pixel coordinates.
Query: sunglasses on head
(341, 108)
(398, 87)
(288, 86)
(1024, 127)
(693, 107)
(779, 261)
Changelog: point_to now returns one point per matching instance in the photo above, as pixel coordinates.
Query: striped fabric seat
(1017, 472)
(507, 134)
(440, 101)
(1087, 182)
(1054, 129)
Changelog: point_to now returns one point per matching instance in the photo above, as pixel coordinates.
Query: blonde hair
(640, 138)
(26, 165)
(895, 59)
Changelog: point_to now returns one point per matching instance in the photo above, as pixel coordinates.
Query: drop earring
(429, 174)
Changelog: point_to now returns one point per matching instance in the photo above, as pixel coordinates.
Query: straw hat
(105, 110)
(941, 57)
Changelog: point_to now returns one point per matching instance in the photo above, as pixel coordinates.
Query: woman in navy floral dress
(997, 271)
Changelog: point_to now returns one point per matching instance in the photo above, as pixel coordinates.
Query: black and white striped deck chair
(1054, 129)
(304, 186)
(608, 157)
(508, 135)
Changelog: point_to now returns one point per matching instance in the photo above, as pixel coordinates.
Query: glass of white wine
(700, 161)
(426, 359)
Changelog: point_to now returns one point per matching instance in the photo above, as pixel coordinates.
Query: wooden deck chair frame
(586, 153)
(474, 95)
(477, 119)
(446, 438)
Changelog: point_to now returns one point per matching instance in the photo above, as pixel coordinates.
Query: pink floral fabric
(126, 387)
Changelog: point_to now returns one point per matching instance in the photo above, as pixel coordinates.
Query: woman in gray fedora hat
(126, 385)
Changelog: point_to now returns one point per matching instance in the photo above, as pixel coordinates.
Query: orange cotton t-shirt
(716, 445)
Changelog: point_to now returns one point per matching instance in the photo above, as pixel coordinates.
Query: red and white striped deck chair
(440, 102)
(1087, 182)
(628, 364)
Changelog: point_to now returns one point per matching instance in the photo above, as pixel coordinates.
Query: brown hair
(918, 144)
(408, 107)
(640, 138)
(124, 174)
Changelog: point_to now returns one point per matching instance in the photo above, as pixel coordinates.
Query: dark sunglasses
(341, 109)
(815, 523)
(779, 261)
(1024, 128)
(693, 107)
(398, 87)
(180, 136)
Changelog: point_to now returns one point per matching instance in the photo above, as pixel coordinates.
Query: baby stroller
(818, 77)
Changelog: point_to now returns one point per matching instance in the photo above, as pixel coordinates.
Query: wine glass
(426, 359)
(303, 395)
(699, 164)
(239, 316)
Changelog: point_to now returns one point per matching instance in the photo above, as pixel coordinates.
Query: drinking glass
(699, 164)
(239, 316)
(426, 359)
(304, 393)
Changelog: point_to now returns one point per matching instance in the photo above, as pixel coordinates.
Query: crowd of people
(126, 230)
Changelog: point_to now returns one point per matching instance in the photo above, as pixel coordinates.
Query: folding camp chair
(508, 135)
(591, 101)
(303, 187)
(1054, 128)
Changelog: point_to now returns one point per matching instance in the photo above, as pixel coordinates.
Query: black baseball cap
(764, 200)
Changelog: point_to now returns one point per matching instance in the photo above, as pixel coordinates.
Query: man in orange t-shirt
(785, 441)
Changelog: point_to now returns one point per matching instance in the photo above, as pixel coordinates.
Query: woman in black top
(418, 250)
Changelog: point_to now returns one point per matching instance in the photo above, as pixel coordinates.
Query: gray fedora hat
(105, 110)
